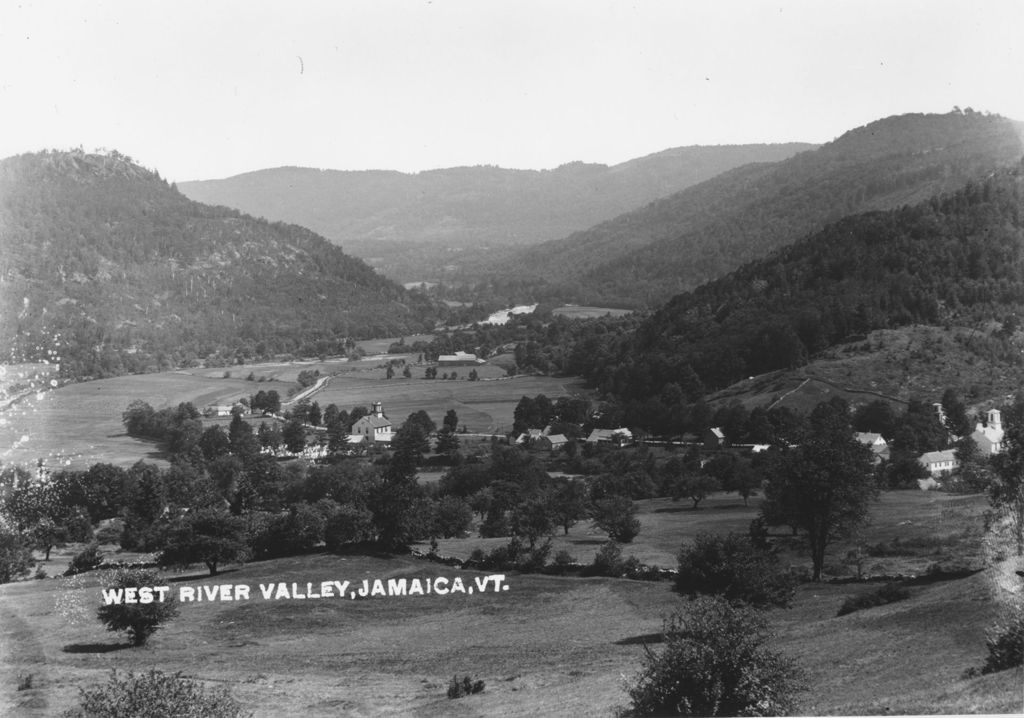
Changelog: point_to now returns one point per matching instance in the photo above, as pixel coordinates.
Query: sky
(203, 90)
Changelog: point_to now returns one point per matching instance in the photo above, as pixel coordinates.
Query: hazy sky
(209, 89)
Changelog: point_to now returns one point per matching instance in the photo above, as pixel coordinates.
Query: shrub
(154, 695)
(85, 560)
(140, 620)
(715, 663)
(25, 681)
(1005, 643)
(734, 568)
(465, 687)
(889, 593)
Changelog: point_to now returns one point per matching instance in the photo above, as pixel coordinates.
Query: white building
(989, 436)
(374, 426)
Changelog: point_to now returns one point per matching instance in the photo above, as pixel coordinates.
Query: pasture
(77, 425)
(548, 646)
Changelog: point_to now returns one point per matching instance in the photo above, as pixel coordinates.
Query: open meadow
(548, 646)
(77, 425)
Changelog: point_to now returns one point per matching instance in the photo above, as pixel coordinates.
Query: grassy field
(547, 646)
(908, 532)
(78, 425)
(482, 406)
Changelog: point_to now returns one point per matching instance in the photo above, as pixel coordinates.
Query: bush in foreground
(889, 593)
(733, 567)
(154, 695)
(715, 663)
(140, 620)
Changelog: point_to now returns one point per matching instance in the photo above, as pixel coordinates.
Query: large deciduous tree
(207, 536)
(824, 486)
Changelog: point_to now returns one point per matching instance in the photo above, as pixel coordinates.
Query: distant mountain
(674, 244)
(110, 268)
(955, 260)
(413, 225)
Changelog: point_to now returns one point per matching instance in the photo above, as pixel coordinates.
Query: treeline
(108, 262)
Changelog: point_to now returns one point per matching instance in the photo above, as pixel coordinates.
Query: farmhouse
(531, 435)
(459, 358)
(374, 426)
(618, 437)
(878, 445)
(989, 437)
(552, 442)
(937, 462)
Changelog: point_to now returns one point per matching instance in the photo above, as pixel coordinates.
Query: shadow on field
(95, 647)
(644, 639)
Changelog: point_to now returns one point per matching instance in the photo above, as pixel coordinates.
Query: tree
(451, 421)
(315, 414)
(732, 567)
(140, 620)
(824, 486)
(716, 662)
(390, 372)
(206, 536)
(447, 443)
(532, 519)
(294, 436)
(1006, 492)
(694, 486)
(407, 372)
(15, 556)
(569, 503)
(214, 442)
(955, 414)
(616, 516)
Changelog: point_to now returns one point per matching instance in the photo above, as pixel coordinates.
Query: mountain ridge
(468, 208)
(674, 244)
(106, 260)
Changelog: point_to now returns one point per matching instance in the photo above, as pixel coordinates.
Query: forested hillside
(105, 264)
(954, 260)
(439, 223)
(645, 256)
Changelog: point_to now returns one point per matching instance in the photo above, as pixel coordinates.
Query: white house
(989, 436)
(374, 426)
(939, 461)
(876, 443)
